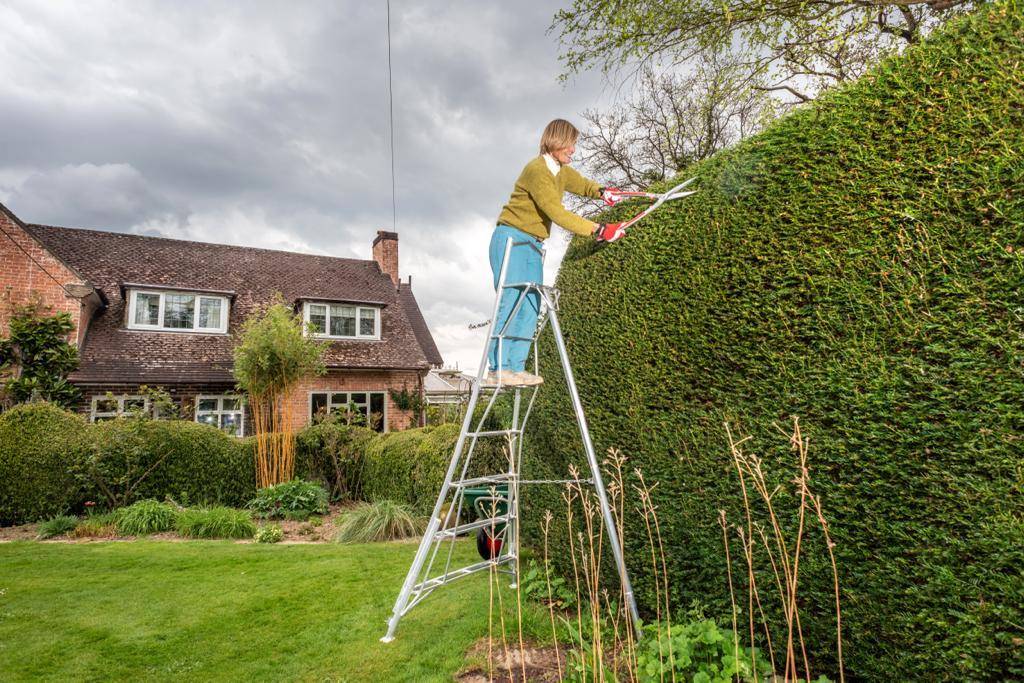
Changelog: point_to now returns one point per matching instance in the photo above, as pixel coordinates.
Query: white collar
(553, 165)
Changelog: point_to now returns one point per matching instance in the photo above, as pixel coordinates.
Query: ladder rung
(452, 532)
(433, 583)
(509, 336)
(496, 432)
(489, 479)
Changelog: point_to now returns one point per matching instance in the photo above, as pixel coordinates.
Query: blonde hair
(557, 135)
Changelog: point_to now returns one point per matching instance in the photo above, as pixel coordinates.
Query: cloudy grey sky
(266, 124)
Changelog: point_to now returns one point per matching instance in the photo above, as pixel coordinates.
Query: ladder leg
(433, 525)
(595, 469)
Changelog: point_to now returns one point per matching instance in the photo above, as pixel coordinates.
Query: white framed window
(109, 407)
(177, 311)
(342, 321)
(226, 413)
(371, 404)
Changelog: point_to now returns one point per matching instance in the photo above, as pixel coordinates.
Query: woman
(535, 203)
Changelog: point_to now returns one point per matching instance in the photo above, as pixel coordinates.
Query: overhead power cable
(391, 127)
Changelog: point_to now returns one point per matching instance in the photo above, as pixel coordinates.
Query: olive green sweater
(537, 200)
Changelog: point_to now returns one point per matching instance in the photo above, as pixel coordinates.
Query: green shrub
(268, 533)
(294, 499)
(698, 649)
(859, 264)
(410, 466)
(390, 459)
(146, 517)
(384, 520)
(334, 454)
(61, 525)
(135, 458)
(215, 522)
(38, 444)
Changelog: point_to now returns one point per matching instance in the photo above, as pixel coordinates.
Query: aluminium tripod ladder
(499, 511)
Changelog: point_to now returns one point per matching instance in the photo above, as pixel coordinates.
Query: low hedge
(859, 264)
(39, 443)
(409, 467)
(190, 462)
(334, 455)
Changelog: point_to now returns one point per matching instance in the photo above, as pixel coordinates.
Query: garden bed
(294, 531)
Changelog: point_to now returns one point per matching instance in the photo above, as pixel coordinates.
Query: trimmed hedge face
(409, 466)
(859, 264)
(201, 465)
(38, 445)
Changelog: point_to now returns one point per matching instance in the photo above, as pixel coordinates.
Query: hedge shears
(609, 232)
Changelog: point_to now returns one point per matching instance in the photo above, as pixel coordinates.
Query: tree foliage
(802, 47)
(38, 357)
(672, 121)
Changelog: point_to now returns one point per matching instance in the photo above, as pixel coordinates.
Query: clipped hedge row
(39, 444)
(859, 264)
(51, 461)
(192, 463)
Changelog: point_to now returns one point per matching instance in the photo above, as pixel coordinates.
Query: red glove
(610, 195)
(609, 232)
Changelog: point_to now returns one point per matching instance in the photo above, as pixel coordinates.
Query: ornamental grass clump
(146, 517)
(383, 520)
(61, 525)
(215, 522)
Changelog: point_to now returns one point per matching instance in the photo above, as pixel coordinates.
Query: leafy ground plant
(383, 520)
(216, 522)
(146, 517)
(296, 499)
(102, 525)
(61, 525)
(268, 533)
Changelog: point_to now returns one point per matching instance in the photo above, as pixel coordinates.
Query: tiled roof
(112, 352)
(419, 325)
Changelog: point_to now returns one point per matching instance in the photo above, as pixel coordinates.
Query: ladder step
(509, 336)
(496, 432)
(488, 479)
(452, 532)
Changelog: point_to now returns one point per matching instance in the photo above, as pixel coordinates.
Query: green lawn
(221, 611)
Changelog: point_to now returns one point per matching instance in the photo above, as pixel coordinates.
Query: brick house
(162, 313)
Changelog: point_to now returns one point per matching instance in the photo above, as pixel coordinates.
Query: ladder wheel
(488, 547)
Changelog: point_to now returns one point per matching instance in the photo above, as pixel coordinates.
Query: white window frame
(222, 411)
(222, 327)
(332, 394)
(94, 414)
(359, 311)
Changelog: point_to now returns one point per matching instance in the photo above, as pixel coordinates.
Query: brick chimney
(385, 253)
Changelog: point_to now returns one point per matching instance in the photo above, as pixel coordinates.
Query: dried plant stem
(551, 602)
(732, 593)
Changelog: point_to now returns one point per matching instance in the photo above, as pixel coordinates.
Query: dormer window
(342, 321)
(177, 311)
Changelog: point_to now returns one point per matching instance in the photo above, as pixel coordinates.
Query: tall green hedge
(39, 444)
(860, 264)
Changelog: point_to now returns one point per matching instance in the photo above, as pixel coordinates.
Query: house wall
(24, 274)
(335, 380)
(368, 380)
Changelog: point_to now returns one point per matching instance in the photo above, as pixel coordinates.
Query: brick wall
(385, 253)
(353, 380)
(23, 275)
(335, 380)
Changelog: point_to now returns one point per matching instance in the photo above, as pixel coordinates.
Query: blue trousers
(525, 264)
